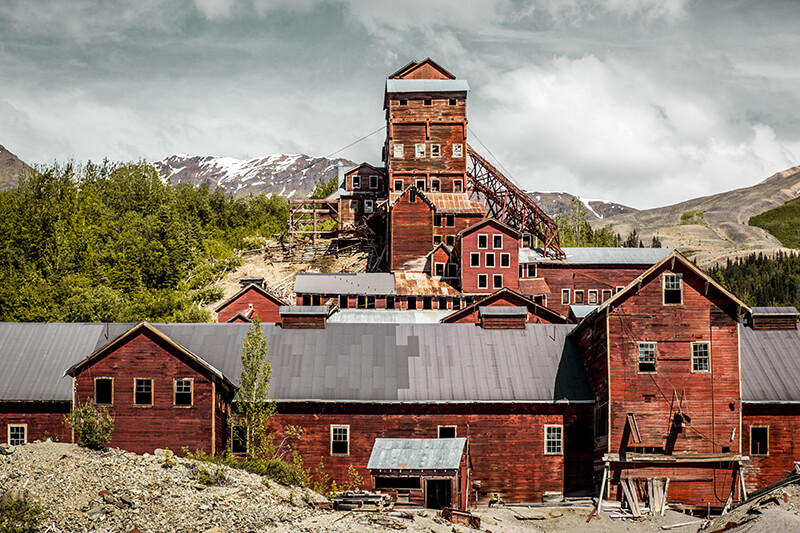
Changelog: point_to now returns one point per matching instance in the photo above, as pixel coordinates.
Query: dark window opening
(427, 302)
(497, 280)
(442, 302)
(390, 302)
(412, 302)
(306, 299)
(421, 185)
(456, 303)
(452, 101)
(397, 483)
(183, 392)
(490, 259)
(505, 260)
(451, 240)
(412, 196)
(497, 241)
(437, 221)
(398, 185)
(103, 391)
(316, 299)
(673, 288)
(403, 102)
(427, 101)
(438, 269)
(239, 439)
(144, 392)
(450, 221)
(483, 241)
(370, 302)
(435, 185)
(438, 493)
(759, 440)
(483, 281)
(437, 239)
(362, 302)
(447, 432)
(344, 301)
(474, 259)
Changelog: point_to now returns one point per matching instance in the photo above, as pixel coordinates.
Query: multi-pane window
(483, 281)
(474, 259)
(435, 185)
(759, 440)
(458, 150)
(490, 259)
(673, 288)
(647, 357)
(497, 241)
(564, 296)
(436, 150)
(483, 242)
(701, 357)
(183, 392)
(17, 434)
(143, 391)
(356, 182)
(505, 260)
(592, 297)
(373, 182)
(104, 391)
(421, 185)
(340, 440)
(419, 150)
(497, 281)
(398, 150)
(553, 439)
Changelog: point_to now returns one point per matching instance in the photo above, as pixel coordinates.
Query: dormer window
(356, 182)
(673, 289)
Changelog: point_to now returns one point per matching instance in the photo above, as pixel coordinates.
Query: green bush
(275, 469)
(19, 515)
(91, 425)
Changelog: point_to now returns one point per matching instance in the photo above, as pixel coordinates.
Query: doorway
(438, 493)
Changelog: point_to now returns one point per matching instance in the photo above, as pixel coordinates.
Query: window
(483, 242)
(505, 260)
(578, 297)
(370, 302)
(398, 185)
(451, 270)
(419, 150)
(344, 301)
(306, 299)
(759, 440)
(475, 259)
(458, 185)
(435, 186)
(373, 182)
(438, 269)
(398, 150)
(452, 101)
(618, 288)
(421, 185)
(437, 239)
(483, 281)
(239, 439)
(447, 432)
(436, 150)
(673, 289)
(340, 440)
(497, 242)
(354, 205)
(427, 101)
(450, 221)
(403, 102)
(427, 302)
(143, 391)
(606, 294)
(456, 303)
(531, 270)
(437, 221)
(490, 259)
(553, 439)
(368, 206)
(356, 182)
(412, 302)
(412, 196)
(497, 281)
(647, 357)
(17, 434)
(183, 392)
(701, 357)
(390, 302)
(450, 240)
(458, 150)
(442, 302)
(315, 299)
(361, 302)
(564, 296)
(104, 391)
(592, 297)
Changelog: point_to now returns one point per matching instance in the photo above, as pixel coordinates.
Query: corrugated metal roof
(416, 454)
(773, 311)
(533, 286)
(581, 311)
(34, 356)
(421, 284)
(770, 364)
(502, 310)
(303, 310)
(598, 256)
(425, 86)
(387, 316)
(366, 283)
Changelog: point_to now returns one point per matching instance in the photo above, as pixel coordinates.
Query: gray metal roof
(770, 365)
(425, 86)
(502, 310)
(34, 356)
(388, 316)
(582, 311)
(773, 310)
(364, 283)
(416, 454)
(598, 256)
(303, 310)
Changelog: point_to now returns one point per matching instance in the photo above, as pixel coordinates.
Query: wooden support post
(741, 481)
(314, 236)
(602, 489)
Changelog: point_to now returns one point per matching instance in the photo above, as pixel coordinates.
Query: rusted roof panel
(421, 284)
(533, 286)
(449, 202)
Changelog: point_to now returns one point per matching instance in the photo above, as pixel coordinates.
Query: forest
(114, 242)
(759, 280)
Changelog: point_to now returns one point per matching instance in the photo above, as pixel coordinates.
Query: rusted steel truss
(509, 204)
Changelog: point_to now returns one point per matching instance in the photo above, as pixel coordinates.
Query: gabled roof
(443, 246)
(142, 327)
(362, 283)
(783, 311)
(538, 310)
(241, 317)
(252, 287)
(379, 170)
(396, 196)
(416, 65)
(416, 454)
(489, 221)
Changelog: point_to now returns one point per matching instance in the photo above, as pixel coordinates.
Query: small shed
(773, 317)
(429, 472)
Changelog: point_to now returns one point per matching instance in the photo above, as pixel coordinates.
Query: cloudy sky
(643, 102)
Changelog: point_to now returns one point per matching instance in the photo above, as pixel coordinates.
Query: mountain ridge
(11, 167)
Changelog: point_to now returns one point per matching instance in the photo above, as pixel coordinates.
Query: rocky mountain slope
(554, 203)
(293, 176)
(10, 168)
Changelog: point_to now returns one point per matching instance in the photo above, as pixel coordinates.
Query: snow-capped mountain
(293, 176)
(560, 202)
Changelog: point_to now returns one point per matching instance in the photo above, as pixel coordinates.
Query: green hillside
(782, 222)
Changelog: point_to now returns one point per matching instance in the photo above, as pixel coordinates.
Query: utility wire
(356, 142)
(507, 173)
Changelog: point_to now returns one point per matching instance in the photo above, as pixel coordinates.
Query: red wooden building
(251, 302)
(489, 257)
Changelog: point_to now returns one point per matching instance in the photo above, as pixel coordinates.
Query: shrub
(91, 425)
(19, 515)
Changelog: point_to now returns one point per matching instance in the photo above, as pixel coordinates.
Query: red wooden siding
(503, 299)
(411, 231)
(142, 429)
(304, 321)
(264, 307)
(43, 420)
(783, 421)
(469, 245)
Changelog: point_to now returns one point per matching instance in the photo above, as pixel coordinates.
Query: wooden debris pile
(362, 501)
(457, 516)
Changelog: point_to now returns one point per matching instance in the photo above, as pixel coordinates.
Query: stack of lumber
(362, 501)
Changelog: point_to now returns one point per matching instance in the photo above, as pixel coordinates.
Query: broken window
(647, 357)
(421, 185)
(450, 220)
(340, 440)
(497, 241)
(367, 207)
(354, 205)
(451, 273)
(104, 391)
(458, 150)
(17, 434)
(183, 392)
(412, 302)
(458, 185)
(343, 302)
(436, 150)
(398, 151)
(553, 439)
(450, 240)
(361, 302)
(437, 239)
(356, 182)
(701, 357)
(592, 297)
(143, 391)
(419, 150)
(435, 185)
(403, 102)
(483, 281)
(447, 432)
(759, 440)
(673, 288)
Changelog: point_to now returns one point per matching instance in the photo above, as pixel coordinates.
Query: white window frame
(489, 258)
(548, 440)
(618, 288)
(397, 151)
(419, 150)
(450, 240)
(175, 392)
(356, 180)
(485, 236)
(565, 296)
(458, 150)
(24, 428)
(458, 185)
(668, 281)
(589, 294)
(368, 206)
(644, 345)
(485, 279)
(436, 150)
(603, 297)
(373, 181)
(396, 188)
(496, 285)
(112, 389)
(534, 267)
(340, 426)
(494, 238)
(353, 205)
(707, 356)
(437, 239)
(436, 186)
(472, 256)
(507, 257)
(420, 183)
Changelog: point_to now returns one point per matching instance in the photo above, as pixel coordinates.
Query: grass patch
(781, 222)
(692, 217)
(274, 469)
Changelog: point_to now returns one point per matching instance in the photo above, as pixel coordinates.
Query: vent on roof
(773, 318)
(503, 317)
(304, 316)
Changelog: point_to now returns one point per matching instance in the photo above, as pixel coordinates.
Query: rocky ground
(116, 491)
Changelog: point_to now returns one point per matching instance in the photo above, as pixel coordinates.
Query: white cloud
(215, 9)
